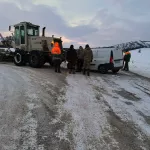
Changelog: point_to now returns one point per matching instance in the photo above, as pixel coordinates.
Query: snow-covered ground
(112, 108)
(140, 62)
(43, 110)
(90, 121)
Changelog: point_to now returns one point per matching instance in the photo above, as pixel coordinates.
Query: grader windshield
(32, 30)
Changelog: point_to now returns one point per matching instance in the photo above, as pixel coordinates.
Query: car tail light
(111, 60)
(111, 57)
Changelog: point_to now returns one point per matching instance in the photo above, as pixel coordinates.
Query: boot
(84, 71)
(88, 72)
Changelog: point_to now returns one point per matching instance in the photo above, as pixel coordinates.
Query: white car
(105, 59)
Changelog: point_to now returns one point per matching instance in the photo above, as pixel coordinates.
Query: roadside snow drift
(140, 62)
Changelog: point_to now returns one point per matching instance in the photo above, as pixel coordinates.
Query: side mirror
(43, 31)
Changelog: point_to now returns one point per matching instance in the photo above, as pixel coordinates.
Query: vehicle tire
(102, 69)
(115, 70)
(19, 58)
(36, 60)
(42, 61)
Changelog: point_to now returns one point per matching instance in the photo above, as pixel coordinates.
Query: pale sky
(96, 22)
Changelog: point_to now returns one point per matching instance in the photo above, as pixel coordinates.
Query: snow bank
(140, 62)
(3, 50)
(64, 65)
(12, 49)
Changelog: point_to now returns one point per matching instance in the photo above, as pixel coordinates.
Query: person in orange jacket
(127, 58)
(56, 56)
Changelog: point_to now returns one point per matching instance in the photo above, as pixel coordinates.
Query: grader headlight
(52, 43)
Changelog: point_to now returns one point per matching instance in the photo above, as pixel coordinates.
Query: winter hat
(71, 46)
(86, 46)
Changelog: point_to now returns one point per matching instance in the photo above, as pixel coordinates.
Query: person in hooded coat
(88, 57)
(80, 54)
(72, 59)
(56, 56)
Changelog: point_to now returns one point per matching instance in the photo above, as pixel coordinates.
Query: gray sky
(96, 22)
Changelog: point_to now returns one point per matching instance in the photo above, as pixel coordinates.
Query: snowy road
(41, 110)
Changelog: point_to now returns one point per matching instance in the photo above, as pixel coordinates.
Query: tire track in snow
(91, 130)
(123, 117)
(28, 130)
(48, 131)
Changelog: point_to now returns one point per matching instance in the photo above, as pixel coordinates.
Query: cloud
(115, 29)
(42, 15)
(98, 23)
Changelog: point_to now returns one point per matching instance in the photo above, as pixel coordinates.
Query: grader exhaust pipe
(9, 28)
(43, 31)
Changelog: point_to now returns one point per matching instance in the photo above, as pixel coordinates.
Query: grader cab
(30, 47)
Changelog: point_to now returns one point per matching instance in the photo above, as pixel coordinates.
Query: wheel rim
(18, 58)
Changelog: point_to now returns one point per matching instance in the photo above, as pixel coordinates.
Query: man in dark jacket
(127, 58)
(88, 57)
(80, 54)
(71, 58)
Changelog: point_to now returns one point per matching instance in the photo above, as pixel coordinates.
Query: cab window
(32, 31)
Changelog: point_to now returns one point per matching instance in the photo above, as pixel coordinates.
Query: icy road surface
(41, 110)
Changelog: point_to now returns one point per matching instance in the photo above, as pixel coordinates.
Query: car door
(118, 58)
(95, 57)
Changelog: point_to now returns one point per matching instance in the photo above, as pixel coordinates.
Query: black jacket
(71, 55)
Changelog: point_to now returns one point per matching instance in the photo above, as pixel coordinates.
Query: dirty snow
(117, 95)
(89, 113)
(140, 62)
(89, 119)
(28, 130)
(29, 126)
(140, 101)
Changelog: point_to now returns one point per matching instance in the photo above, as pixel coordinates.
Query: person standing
(127, 58)
(88, 57)
(80, 54)
(56, 56)
(71, 58)
(123, 60)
